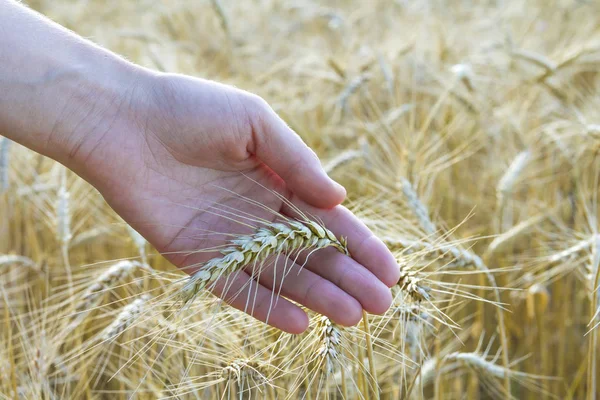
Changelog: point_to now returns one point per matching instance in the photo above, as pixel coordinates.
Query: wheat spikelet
(4, 163)
(329, 336)
(480, 363)
(418, 208)
(350, 89)
(290, 237)
(125, 318)
(108, 279)
(410, 282)
(342, 159)
(573, 250)
(507, 182)
(505, 239)
(241, 369)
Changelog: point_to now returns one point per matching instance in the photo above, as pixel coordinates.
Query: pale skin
(168, 152)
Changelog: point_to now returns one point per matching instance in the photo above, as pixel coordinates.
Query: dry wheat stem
(277, 238)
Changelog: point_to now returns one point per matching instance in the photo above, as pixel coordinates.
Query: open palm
(195, 161)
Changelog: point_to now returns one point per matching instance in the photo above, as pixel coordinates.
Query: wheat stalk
(276, 238)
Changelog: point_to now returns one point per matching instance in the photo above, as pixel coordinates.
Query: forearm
(56, 89)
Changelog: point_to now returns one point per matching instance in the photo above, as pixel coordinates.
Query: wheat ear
(505, 186)
(276, 238)
(418, 208)
(330, 337)
(410, 282)
(342, 159)
(241, 369)
(108, 279)
(462, 259)
(126, 318)
(9, 259)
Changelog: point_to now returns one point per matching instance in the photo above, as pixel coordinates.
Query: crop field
(467, 134)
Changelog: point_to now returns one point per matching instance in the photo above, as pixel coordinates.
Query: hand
(173, 154)
(174, 165)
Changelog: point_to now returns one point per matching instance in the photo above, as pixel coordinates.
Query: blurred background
(467, 134)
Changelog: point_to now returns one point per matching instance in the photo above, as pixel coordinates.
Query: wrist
(60, 93)
(96, 98)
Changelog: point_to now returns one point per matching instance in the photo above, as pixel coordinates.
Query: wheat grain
(277, 238)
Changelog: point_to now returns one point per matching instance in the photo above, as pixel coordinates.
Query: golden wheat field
(467, 135)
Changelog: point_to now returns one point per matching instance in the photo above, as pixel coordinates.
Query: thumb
(282, 150)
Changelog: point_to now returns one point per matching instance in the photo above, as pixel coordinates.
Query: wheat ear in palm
(287, 237)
